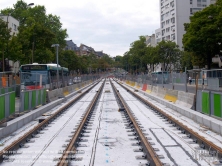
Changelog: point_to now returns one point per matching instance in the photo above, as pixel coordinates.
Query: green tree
(186, 60)
(37, 32)
(137, 52)
(118, 62)
(203, 34)
(169, 54)
(151, 58)
(4, 39)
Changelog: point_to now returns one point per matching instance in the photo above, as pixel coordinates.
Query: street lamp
(57, 61)
(31, 4)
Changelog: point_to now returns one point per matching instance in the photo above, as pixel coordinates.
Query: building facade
(13, 24)
(150, 40)
(173, 15)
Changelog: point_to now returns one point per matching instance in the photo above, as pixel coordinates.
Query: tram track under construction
(109, 123)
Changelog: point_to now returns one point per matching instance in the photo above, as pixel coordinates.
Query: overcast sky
(108, 25)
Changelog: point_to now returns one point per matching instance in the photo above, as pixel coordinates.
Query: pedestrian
(190, 80)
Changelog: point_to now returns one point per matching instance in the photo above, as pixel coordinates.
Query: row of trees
(36, 34)
(141, 58)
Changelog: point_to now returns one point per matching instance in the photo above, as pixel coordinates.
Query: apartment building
(13, 24)
(173, 15)
(158, 36)
(150, 40)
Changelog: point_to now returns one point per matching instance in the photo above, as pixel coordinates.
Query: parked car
(76, 80)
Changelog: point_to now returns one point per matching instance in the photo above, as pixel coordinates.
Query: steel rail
(214, 150)
(12, 148)
(70, 149)
(151, 155)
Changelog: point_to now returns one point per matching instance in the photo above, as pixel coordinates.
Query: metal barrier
(32, 98)
(7, 105)
(209, 102)
(215, 104)
(213, 83)
(203, 102)
(7, 89)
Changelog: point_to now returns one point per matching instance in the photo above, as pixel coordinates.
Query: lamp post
(29, 5)
(57, 61)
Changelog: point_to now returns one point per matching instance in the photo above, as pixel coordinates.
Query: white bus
(36, 76)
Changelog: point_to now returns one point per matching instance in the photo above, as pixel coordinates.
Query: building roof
(71, 45)
(99, 53)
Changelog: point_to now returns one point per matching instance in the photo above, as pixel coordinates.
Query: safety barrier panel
(185, 99)
(138, 85)
(70, 89)
(7, 105)
(149, 88)
(215, 103)
(65, 91)
(203, 101)
(209, 102)
(32, 98)
(55, 94)
(171, 95)
(161, 92)
(144, 87)
(75, 86)
(154, 90)
(130, 83)
(179, 97)
(59, 93)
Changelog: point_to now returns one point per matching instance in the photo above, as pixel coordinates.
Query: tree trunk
(3, 61)
(209, 60)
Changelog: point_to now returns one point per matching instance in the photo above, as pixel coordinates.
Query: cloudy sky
(108, 25)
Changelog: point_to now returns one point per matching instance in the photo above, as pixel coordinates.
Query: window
(162, 17)
(162, 9)
(163, 32)
(173, 36)
(173, 28)
(167, 21)
(173, 20)
(168, 29)
(191, 2)
(193, 10)
(172, 12)
(157, 34)
(162, 24)
(168, 37)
